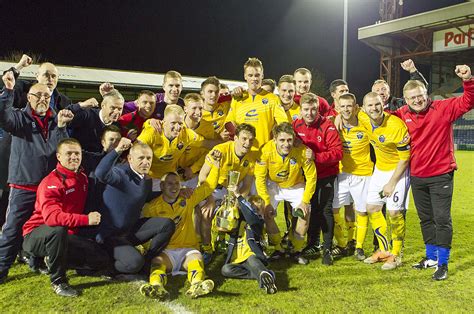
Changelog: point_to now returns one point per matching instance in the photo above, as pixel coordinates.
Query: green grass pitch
(347, 286)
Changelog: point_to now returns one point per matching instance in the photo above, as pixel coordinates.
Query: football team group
(160, 185)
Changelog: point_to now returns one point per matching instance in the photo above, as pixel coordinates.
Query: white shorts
(399, 198)
(349, 189)
(293, 195)
(177, 257)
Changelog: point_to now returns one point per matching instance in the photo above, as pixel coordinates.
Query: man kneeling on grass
(182, 251)
(245, 257)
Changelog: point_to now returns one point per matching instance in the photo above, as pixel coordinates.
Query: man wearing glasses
(36, 131)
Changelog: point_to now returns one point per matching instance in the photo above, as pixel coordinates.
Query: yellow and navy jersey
(260, 111)
(356, 147)
(390, 140)
(218, 116)
(166, 153)
(293, 113)
(182, 213)
(242, 251)
(194, 156)
(287, 170)
(230, 162)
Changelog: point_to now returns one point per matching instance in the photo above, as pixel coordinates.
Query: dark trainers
(338, 251)
(267, 282)
(38, 265)
(350, 248)
(64, 290)
(425, 263)
(207, 257)
(441, 272)
(298, 258)
(277, 255)
(359, 254)
(327, 258)
(312, 250)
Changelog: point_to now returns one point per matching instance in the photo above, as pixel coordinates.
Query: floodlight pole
(344, 43)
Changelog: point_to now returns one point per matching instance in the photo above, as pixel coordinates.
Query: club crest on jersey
(360, 135)
(292, 161)
(182, 203)
(180, 145)
(265, 101)
(381, 138)
(252, 113)
(295, 116)
(246, 163)
(220, 113)
(282, 174)
(215, 125)
(166, 158)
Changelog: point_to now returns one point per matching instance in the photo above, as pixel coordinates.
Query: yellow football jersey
(182, 213)
(356, 158)
(166, 153)
(228, 162)
(287, 171)
(391, 140)
(260, 111)
(293, 113)
(218, 116)
(194, 156)
(242, 251)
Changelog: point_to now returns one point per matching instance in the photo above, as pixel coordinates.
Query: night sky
(200, 37)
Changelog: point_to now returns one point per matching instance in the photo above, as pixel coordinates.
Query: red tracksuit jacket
(431, 132)
(323, 138)
(60, 201)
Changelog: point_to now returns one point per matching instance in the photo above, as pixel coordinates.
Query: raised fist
(89, 103)
(123, 145)
(463, 71)
(408, 65)
(64, 117)
(9, 80)
(105, 88)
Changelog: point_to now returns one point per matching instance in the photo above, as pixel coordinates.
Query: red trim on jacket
(322, 137)
(431, 133)
(60, 201)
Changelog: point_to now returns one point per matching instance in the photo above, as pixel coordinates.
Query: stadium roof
(412, 35)
(96, 76)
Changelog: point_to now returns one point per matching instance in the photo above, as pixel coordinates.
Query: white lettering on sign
(453, 39)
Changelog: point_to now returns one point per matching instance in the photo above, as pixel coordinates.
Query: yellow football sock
(379, 225)
(397, 224)
(361, 231)
(339, 230)
(350, 225)
(298, 242)
(275, 239)
(195, 271)
(158, 274)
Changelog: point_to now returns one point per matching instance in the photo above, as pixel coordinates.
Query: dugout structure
(80, 83)
(437, 40)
